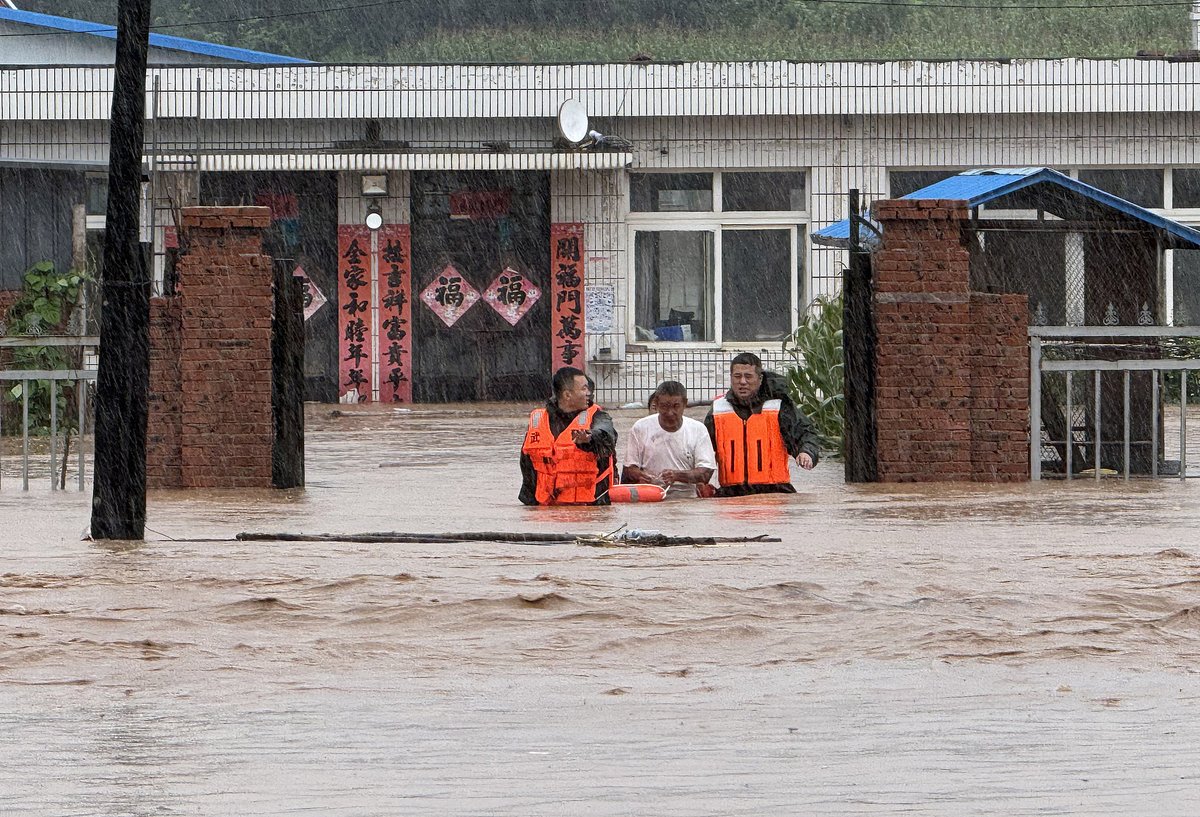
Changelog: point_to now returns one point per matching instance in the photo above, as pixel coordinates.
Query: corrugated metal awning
(976, 187)
(448, 160)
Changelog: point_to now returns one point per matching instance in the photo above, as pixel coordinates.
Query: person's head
(571, 389)
(745, 375)
(652, 403)
(671, 400)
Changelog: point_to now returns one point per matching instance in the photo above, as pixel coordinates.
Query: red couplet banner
(566, 273)
(354, 311)
(395, 314)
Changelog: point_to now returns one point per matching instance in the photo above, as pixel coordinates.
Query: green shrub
(815, 377)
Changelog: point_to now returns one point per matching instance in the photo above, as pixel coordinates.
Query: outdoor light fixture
(374, 184)
(374, 219)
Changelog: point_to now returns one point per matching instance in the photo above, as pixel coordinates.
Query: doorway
(475, 225)
(303, 232)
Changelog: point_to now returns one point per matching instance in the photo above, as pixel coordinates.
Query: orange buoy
(631, 492)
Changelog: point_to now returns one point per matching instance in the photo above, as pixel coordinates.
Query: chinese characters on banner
(395, 314)
(449, 295)
(512, 295)
(354, 311)
(566, 270)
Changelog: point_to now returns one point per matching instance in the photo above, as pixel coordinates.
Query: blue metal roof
(224, 52)
(977, 187)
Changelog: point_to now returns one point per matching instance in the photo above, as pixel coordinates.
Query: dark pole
(122, 386)
(858, 356)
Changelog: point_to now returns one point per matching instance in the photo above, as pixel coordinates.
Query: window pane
(97, 195)
(1186, 184)
(670, 192)
(756, 284)
(674, 285)
(763, 191)
(1142, 187)
(903, 182)
(1186, 267)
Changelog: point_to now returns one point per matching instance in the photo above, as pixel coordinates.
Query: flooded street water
(954, 650)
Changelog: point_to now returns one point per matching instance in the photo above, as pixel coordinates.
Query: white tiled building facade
(696, 223)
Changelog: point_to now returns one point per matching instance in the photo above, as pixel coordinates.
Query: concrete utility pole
(122, 387)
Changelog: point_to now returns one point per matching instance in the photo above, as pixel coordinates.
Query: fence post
(1035, 408)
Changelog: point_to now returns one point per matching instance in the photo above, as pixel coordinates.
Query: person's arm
(799, 436)
(703, 460)
(635, 455)
(711, 425)
(528, 494)
(600, 439)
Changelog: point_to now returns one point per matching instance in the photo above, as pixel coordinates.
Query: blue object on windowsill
(669, 333)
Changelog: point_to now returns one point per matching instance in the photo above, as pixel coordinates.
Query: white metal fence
(1105, 401)
(78, 379)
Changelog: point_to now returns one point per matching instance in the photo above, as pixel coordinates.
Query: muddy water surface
(930, 650)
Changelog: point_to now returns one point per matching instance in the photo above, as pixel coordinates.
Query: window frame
(716, 221)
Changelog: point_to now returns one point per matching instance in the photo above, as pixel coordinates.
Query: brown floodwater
(939, 649)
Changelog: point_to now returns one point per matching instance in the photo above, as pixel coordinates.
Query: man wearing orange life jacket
(567, 455)
(755, 429)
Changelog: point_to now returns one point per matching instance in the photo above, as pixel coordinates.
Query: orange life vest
(566, 474)
(750, 452)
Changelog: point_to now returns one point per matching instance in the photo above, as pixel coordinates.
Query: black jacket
(603, 444)
(796, 429)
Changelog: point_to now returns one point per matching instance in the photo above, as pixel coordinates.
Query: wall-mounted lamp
(374, 219)
(374, 184)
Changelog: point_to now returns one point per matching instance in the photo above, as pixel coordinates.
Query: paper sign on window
(449, 295)
(512, 295)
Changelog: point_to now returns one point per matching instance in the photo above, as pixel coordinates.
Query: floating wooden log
(596, 540)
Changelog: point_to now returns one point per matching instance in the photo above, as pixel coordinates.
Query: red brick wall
(999, 388)
(224, 304)
(163, 454)
(952, 380)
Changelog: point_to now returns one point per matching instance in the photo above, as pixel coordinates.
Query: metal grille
(845, 125)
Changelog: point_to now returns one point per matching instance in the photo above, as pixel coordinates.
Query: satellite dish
(573, 121)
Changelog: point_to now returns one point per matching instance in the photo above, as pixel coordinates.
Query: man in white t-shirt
(670, 449)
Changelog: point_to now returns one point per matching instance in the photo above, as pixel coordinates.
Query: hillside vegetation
(396, 31)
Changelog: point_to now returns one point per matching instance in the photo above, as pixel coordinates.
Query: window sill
(643, 347)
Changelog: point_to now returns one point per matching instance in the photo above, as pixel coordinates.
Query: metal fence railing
(1104, 400)
(74, 380)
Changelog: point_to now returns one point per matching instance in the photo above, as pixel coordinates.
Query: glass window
(756, 285)
(903, 182)
(1142, 187)
(1185, 265)
(673, 279)
(670, 192)
(762, 191)
(97, 195)
(1185, 184)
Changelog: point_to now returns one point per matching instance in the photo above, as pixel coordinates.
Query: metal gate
(1111, 400)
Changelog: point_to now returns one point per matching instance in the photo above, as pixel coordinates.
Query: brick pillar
(952, 367)
(999, 388)
(164, 421)
(226, 303)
